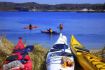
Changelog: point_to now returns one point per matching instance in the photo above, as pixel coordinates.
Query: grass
(6, 46)
(38, 57)
(5, 49)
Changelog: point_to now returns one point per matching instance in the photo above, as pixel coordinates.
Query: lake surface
(88, 28)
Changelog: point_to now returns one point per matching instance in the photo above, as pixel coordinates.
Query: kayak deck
(60, 56)
(87, 60)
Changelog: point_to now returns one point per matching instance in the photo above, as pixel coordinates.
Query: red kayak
(19, 59)
(30, 27)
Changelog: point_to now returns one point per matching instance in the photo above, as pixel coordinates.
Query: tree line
(9, 6)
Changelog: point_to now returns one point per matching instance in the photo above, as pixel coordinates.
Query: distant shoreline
(57, 11)
(32, 6)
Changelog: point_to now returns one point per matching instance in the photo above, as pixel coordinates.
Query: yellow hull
(85, 59)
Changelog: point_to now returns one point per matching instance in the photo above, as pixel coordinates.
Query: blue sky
(56, 1)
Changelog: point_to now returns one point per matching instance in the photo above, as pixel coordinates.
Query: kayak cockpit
(61, 54)
(58, 47)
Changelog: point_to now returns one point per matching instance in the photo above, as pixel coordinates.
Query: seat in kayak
(60, 46)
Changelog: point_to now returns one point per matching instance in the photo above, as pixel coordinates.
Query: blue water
(89, 28)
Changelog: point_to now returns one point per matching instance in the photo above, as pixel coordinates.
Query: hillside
(32, 6)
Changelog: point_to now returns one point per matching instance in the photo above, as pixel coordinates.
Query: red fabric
(27, 57)
(19, 55)
(20, 45)
(28, 65)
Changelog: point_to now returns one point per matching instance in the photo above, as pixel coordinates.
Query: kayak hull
(58, 67)
(53, 61)
(46, 32)
(89, 61)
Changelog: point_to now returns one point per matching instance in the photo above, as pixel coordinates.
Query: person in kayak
(50, 30)
(60, 27)
(30, 27)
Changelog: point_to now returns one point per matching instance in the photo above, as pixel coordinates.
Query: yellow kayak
(84, 57)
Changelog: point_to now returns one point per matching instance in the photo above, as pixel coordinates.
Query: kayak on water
(60, 56)
(30, 27)
(47, 32)
(19, 59)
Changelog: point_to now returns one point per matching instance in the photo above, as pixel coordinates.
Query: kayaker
(50, 30)
(61, 27)
(30, 27)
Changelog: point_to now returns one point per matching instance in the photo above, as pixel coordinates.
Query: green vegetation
(5, 49)
(38, 57)
(6, 46)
